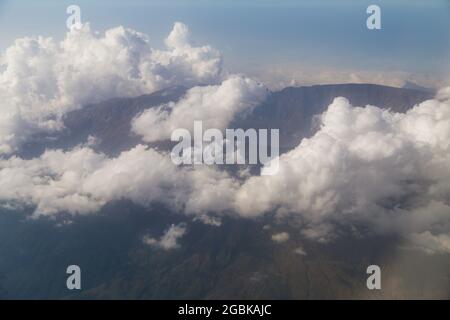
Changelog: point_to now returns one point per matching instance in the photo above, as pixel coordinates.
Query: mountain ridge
(292, 110)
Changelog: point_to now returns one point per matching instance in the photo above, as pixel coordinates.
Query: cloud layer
(366, 166)
(81, 181)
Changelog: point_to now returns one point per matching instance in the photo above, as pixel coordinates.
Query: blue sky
(415, 35)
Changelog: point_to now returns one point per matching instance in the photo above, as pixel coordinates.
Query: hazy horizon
(301, 42)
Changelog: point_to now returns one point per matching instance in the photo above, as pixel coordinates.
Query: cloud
(300, 251)
(170, 238)
(280, 237)
(364, 166)
(206, 219)
(431, 243)
(41, 79)
(215, 105)
(81, 181)
(185, 64)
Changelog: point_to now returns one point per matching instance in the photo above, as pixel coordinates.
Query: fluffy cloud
(216, 106)
(431, 243)
(41, 79)
(169, 240)
(280, 237)
(300, 251)
(365, 165)
(81, 181)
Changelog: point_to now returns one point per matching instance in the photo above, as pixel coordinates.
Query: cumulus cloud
(41, 79)
(206, 219)
(81, 181)
(365, 165)
(216, 106)
(169, 240)
(280, 237)
(431, 243)
(300, 251)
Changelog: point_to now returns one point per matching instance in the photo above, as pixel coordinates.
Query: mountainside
(293, 109)
(237, 260)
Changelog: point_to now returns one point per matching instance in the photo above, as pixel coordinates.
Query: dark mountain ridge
(291, 110)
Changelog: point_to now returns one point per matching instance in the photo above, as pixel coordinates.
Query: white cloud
(187, 65)
(431, 243)
(81, 181)
(300, 251)
(209, 220)
(280, 237)
(365, 165)
(170, 238)
(215, 105)
(41, 79)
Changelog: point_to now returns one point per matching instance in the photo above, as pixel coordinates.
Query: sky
(267, 36)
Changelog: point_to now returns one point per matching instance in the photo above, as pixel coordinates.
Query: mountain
(415, 86)
(292, 110)
(237, 260)
(109, 121)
